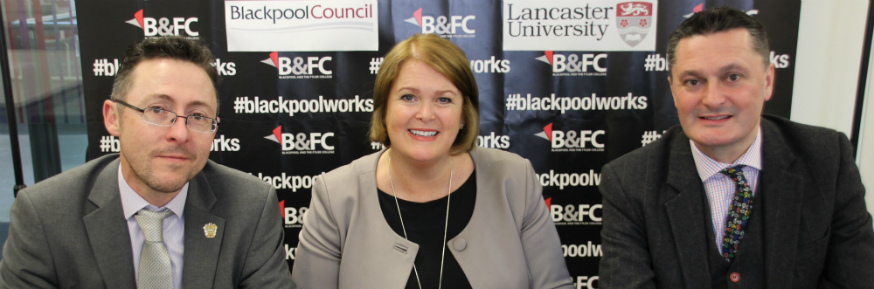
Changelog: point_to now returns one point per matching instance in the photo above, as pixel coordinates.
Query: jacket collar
(201, 252)
(782, 202)
(398, 257)
(683, 199)
(107, 229)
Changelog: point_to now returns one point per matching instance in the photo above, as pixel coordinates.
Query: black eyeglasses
(162, 117)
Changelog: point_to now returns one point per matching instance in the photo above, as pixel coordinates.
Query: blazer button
(735, 277)
(459, 245)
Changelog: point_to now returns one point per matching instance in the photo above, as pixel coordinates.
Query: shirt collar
(707, 167)
(131, 202)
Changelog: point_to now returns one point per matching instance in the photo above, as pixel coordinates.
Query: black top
(425, 226)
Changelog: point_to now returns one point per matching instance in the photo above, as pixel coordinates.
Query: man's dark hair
(173, 47)
(717, 20)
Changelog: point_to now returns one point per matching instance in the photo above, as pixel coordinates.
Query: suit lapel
(684, 194)
(394, 253)
(782, 198)
(107, 231)
(201, 253)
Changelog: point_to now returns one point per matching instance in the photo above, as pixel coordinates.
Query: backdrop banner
(569, 85)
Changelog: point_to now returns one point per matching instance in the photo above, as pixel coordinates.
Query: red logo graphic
(277, 132)
(547, 57)
(696, 9)
(138, 19)
(633, 20)
(416, 19)
(546, 133)
(273, 60)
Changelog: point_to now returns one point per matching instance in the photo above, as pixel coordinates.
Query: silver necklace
(445, 226)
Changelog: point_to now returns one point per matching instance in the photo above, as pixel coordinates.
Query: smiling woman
(441, 57)
(432, 209)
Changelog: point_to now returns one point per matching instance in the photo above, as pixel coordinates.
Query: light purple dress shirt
(720, 188)
(174, 226)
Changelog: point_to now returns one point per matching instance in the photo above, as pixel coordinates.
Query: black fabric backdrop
(569, 165)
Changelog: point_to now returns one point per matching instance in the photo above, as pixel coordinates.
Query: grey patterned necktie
(154, 271)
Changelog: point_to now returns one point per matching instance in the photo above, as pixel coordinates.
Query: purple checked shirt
(720, 188)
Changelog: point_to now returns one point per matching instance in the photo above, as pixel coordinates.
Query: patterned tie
(155, 272)
(738, 212)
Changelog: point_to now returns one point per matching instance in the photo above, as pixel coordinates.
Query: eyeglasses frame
(143, 112)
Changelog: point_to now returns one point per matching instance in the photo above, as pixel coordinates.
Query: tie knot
(734, 172)
(152, 224)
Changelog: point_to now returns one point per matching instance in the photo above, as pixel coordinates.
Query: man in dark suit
(159, 214)
(732, 199)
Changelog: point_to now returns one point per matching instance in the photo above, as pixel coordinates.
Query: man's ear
(770, 74)
(111, 118)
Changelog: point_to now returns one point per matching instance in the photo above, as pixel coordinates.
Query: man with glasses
(159, 214)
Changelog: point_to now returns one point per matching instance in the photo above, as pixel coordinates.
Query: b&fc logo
(302, 143)
(164, 26)
(585, 64)
(451, 26)
(573, 141)
(300, 68)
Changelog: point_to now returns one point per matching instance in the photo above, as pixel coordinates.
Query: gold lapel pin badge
(209, 230)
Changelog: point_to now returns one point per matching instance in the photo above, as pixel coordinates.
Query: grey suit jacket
(69, 231)
(817, 231)
(510, 241)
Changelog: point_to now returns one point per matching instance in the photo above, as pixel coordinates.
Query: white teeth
(715, 118)
(423, 133)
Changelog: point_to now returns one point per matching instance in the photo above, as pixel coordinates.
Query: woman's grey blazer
(510, 241)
